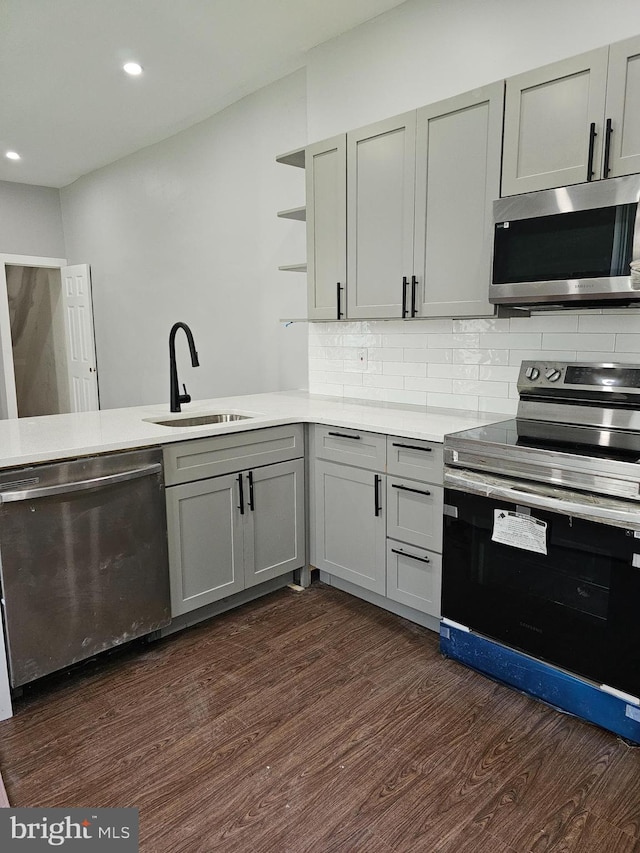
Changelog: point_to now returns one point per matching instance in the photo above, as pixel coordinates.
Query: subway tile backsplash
(461, 364)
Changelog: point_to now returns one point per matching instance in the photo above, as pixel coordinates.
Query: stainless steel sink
(199, 420)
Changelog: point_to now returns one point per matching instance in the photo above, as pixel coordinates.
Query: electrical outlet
(362, 358)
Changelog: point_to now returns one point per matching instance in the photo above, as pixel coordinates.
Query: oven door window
(575, 606)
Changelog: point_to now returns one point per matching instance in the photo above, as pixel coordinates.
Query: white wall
(416, 54)
(30, 221)
(187, 230)
(427, 50)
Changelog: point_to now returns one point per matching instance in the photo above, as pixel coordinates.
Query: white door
(81, 350)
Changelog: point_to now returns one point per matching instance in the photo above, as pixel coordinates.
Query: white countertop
(25, 441)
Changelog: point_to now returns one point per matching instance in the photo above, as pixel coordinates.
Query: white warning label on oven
(519, 531)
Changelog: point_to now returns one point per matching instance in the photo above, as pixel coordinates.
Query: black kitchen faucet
(176, 397)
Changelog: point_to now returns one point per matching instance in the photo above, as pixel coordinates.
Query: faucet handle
(184, 398)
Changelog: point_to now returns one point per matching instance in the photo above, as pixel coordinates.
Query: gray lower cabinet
(235, 512)
(350, 524)
(414, 577)
(206, 549)
(414, 512)
(274, 532)
(232, 532)
(414, 523)
(382, 533)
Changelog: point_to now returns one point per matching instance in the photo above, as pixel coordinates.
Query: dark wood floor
(315, 722)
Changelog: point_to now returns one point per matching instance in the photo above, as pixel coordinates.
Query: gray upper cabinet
(326, 191)
(548, 115)
(574, 120)
(458, 148)
(380, 210)
(622, 123)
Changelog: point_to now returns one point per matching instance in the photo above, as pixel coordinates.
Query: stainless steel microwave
(568, 245)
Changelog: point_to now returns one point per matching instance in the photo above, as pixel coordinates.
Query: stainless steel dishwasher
(83, 558)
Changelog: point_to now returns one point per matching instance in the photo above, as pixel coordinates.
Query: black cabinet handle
(252, 505)
(241, 492)
(376, 494)
(412, 447)
(404, 295)
(414, 307)
(592, 143)
(607, 148)
(413, 556)
(344, 435)
(408, 489)
(339, 300)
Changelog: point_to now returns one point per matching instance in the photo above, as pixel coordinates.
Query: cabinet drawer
(351, 447)
(187, 461)
(414, 513)
(414, 577)
(411, 457)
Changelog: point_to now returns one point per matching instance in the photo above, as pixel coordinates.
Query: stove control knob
(553, 374)
(532, 373)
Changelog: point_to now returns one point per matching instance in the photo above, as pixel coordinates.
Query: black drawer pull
(413, 556)
(412, 447)
(252, 505)
(241, 493)
(344, 435)
(376, 494)
(409, 489)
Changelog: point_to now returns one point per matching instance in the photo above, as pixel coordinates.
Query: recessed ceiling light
(132, 68)
(12, 155)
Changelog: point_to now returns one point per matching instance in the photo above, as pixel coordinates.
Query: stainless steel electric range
(541, 568)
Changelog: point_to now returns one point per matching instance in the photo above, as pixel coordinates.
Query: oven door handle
(603, 510)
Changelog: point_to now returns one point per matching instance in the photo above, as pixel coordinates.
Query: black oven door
(558, 587)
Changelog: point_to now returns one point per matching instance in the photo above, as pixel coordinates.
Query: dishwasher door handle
(79, 485)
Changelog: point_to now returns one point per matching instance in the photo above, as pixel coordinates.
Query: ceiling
(67, 107)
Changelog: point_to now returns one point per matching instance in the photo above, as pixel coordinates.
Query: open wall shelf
(292, 158)
(299, 213)
(294, 268)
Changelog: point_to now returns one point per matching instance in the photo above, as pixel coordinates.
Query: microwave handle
(615, 513)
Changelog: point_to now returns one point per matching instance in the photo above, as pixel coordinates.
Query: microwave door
(567, 245)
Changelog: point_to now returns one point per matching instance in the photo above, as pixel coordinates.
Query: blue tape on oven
(541, 680)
